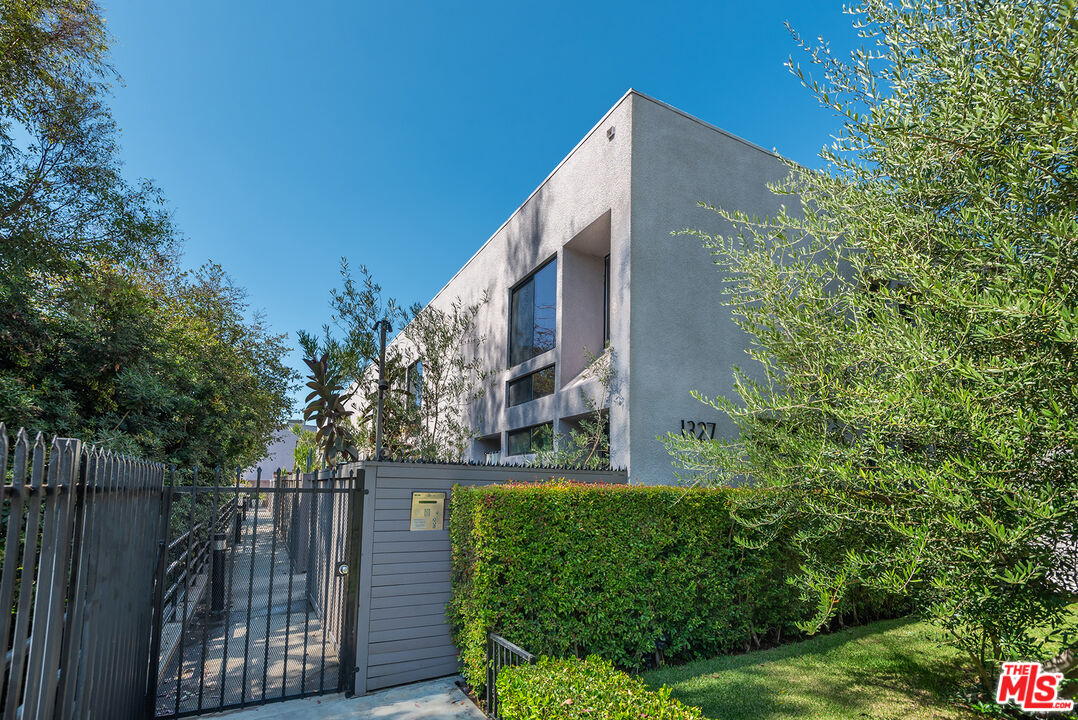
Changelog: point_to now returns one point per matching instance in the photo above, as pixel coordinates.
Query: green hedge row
(638, 575)
(583, 690)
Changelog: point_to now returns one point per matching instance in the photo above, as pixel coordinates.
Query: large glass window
(532, 321)
(531, 439)
(530, 387)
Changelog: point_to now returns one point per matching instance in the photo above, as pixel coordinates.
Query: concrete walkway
(270, 642)
(430, 700)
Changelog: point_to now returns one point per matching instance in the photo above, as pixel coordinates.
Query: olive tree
(914, 314)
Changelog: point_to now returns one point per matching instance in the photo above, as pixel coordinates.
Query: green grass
(888, 669)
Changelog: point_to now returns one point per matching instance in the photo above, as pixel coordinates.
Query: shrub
(592, 689)
(636, 574)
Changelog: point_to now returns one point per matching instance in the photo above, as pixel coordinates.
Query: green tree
(327, 406)
(915, 325)
(102, 335)
(306, 449)
(426, 404)
(353, 356)
(447, 381)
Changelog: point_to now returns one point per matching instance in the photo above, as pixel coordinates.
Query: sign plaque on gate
(428, 510)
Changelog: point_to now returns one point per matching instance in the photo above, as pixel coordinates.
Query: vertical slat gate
(126, 596)
(76, 582)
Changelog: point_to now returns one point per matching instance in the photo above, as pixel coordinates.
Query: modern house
(590, 259)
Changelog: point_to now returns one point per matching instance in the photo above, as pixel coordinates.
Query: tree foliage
(424, 416)
(446, 344)
(915, 324)
(326, 406)
(102, 335)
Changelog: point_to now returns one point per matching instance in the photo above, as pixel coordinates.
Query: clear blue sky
(288, 134)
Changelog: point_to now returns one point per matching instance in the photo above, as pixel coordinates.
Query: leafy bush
(638, 575)
(592, 688)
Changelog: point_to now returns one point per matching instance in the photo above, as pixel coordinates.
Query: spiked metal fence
(79, 559)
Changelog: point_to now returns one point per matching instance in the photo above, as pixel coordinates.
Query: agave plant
(326, 406)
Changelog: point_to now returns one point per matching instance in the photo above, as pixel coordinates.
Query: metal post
(351, 596)
(217, 606)
(383, 326)
(237, 528)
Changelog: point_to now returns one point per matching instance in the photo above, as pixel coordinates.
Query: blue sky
(401, 135)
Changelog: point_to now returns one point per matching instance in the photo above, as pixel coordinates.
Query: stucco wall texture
(635, 178)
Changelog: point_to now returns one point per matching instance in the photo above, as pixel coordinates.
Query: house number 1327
(699, 429)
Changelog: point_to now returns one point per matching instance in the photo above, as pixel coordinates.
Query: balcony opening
(586, 289)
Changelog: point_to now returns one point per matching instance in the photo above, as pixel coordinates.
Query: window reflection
(530, 387)
(533, 311)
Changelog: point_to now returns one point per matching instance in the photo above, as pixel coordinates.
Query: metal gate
(255, 602)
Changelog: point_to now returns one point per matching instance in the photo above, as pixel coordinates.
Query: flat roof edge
(534, 192)
(706, 124)
(628, 93)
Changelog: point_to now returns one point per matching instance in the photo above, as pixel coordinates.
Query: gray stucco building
(589, 258)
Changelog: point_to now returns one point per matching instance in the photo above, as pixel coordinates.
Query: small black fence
(501, 654)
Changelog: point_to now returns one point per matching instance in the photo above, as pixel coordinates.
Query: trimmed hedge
(638, 575)
(577, 689)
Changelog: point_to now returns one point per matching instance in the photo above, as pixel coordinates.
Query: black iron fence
(129, 590)
(501, 654)
(257, 593)
(79, 559)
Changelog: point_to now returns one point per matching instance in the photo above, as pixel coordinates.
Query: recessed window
(530, 387)
(606, 299)
(414, 381)
(532, 321)
(531, 439)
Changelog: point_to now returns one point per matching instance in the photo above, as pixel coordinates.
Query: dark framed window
(531, 439)
(414, 381)
(531, 386)
(606, 299)
(532, 311)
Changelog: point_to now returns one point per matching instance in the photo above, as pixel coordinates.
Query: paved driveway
(430, 700)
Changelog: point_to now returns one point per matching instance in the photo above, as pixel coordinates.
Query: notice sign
(427, 510)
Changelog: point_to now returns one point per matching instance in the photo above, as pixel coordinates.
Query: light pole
(383, 327)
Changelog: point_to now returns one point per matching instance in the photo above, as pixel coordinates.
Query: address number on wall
(698, 429)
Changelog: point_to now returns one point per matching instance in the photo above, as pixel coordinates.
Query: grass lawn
(889, 669)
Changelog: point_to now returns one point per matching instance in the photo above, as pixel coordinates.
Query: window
(606, 299)
(531, 439)
(530, 387)
(532, 310)
(414, 382)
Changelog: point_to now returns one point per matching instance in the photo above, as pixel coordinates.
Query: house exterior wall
(279, 455)
(591, 184)
(632, 181)
(684, 336)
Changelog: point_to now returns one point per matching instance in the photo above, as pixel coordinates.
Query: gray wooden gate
(402, 632)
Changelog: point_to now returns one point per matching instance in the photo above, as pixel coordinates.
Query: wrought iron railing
(501, 654)
(190, 555)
